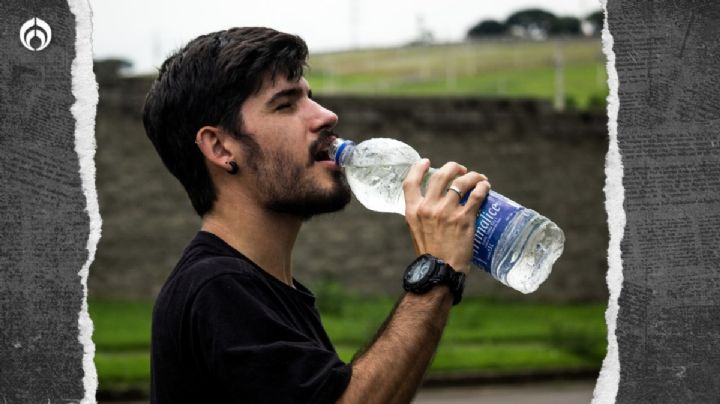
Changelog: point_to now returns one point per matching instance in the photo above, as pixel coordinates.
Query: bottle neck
(340, 149)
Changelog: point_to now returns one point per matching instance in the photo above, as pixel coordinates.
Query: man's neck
(267, 238)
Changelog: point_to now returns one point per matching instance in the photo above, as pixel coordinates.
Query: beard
(304, 199)
(285, 186)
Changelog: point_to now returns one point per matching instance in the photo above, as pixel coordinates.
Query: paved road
(535, 393)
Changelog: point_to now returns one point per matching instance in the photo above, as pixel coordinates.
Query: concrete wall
(550, 162)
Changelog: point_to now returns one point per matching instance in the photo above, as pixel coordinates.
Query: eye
(285, 106)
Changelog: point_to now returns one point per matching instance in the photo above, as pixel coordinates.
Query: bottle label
(495, 214)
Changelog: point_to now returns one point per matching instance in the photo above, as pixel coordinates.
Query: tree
(532, 18)
(565, 25)
(486, 28)
(596, 19)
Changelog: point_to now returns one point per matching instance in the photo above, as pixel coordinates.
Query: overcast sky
(146, 31)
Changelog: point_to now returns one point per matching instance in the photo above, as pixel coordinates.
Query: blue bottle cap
(341, 148)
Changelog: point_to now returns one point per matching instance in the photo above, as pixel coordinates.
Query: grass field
(500, 68)
(481, 335)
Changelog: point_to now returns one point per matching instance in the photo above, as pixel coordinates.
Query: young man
(234, 120)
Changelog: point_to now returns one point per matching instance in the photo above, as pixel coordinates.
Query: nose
(322, 119)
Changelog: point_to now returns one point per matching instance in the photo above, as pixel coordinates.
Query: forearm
(391, 370)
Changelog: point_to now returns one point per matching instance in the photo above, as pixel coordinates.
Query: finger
(477, 196)
(462, 185)
(441, 178)
(411, 184)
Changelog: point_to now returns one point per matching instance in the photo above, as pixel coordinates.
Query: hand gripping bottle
(516, 245)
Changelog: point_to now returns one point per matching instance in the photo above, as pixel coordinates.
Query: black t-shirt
(225, 331)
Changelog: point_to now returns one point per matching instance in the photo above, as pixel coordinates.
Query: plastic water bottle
(516, 245)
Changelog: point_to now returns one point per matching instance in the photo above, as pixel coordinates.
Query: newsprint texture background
(43, 218)
(668, 329)
(667, 57)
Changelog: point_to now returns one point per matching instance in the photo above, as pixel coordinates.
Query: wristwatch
(427, 271)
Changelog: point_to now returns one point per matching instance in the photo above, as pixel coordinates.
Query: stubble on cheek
(289, 187)
(278, 178)
(252, 153)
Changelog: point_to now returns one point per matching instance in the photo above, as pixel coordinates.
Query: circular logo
(35, 34)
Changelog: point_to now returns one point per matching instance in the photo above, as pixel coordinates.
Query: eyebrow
(294, 92)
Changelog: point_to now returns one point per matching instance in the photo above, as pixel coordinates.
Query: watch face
(419, 271)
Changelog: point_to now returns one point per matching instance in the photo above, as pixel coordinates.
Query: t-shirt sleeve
(254, 354)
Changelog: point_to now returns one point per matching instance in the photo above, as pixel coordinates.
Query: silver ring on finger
(456, 190)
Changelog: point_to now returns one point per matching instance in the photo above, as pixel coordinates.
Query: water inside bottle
(376, 169)
(532, 255)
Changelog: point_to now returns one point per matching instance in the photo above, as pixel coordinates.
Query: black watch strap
(440, 273)
(454, 279)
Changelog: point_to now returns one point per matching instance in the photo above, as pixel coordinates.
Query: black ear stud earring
(233, 167)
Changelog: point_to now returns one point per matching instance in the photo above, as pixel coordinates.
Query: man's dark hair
(206, 83)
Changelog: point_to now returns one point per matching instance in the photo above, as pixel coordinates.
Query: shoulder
(207, 296)
(211, 267)
(210, 271)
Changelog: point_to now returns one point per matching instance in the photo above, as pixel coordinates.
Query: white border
(607, 384)
(84, 89)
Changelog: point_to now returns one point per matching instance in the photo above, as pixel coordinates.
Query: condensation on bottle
(516, 245)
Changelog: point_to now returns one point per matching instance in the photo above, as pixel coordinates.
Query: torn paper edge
(85, 91)
(609, 379)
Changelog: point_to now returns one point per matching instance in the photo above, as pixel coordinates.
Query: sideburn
(251, 149)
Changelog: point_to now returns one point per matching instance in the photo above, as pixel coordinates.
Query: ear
(216, 145)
